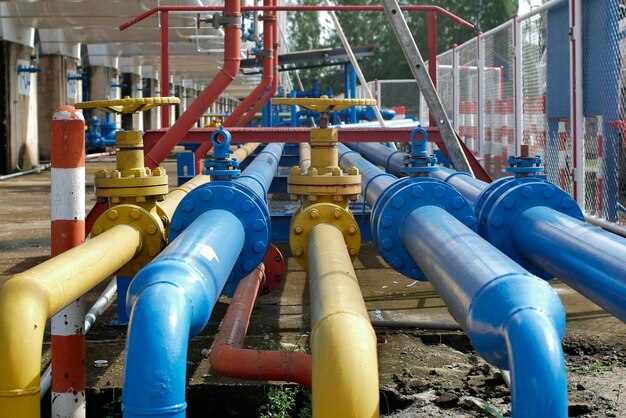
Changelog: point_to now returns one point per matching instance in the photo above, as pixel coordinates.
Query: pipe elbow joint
(500, 300)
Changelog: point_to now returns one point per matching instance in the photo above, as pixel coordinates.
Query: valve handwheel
(128, 104)
(324, 103)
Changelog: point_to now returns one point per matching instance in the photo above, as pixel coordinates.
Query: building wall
(18, 112)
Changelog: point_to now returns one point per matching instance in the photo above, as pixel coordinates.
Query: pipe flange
(143, 183)
(274, 263)
(397, 202)
(242, 202)
(151, 229)
(488, 197)
(303, 222)
(515, 200)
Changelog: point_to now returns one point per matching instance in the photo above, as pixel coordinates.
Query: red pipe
(354, 8)
(229, 359)
(269, 93)
(232, 43)
(257, 93)
(268, 60)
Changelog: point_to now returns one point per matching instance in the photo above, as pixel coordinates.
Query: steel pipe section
(259, 174)
(343, 342)
(171, 300)
(28, 299)
(514, 319)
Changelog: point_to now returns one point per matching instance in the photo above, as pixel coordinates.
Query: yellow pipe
(343, 342)
(175, 196)
(28, 299)
(245, 150)
(305, 157)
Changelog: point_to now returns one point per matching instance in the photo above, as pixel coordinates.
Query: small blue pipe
(171, 299)
(514, 319)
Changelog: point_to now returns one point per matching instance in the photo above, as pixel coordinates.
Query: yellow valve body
(149, 224)
(323, 213)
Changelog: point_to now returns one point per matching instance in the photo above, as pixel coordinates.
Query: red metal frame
(285, 8)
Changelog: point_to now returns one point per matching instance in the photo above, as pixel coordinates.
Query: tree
(373, 28)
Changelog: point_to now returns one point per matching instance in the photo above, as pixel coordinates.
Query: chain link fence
(516, 85)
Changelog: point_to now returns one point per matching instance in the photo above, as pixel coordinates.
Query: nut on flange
(150, 227)
(303, 222)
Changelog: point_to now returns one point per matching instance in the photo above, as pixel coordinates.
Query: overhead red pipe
(285, 8)
(232, 43)
(228, 358)
(269, 23)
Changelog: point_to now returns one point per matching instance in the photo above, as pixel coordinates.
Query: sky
(524, 7)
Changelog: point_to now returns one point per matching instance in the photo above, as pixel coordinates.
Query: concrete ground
(422, 372)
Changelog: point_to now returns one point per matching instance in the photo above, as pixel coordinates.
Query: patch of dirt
(446, 379)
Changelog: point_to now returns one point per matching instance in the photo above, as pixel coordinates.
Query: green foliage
(280, 400)
(365, 28)
(113, 409)
(594, 368)
(307, 410)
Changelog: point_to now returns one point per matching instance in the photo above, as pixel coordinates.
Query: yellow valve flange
(335, 183)
(128, 104)
(150, 227)
(303, 222)
(139, 185)
(323, 103)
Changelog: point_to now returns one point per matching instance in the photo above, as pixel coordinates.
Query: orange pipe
(269, 93)
(232, 44)
(229, 359)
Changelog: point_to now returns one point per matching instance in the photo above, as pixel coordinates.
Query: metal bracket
(219, 20)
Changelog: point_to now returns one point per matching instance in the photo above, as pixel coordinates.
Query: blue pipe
(259, 174)
(172, 299)
(514, 319)
(487, 293)
(377, 181)
(390, 160)
(218, 234)
(464, 183)
(589, 259)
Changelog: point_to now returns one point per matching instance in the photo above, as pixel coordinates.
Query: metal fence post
(577, 118)
(518, 91)
(481, 97)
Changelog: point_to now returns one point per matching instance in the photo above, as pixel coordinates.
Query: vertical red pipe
(228, 358)
(257, 93)
(232, 44)
(272, 91)
(432, 53)
(67, 207)
(165, 67)
(268, 60)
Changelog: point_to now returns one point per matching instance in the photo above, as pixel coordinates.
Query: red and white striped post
(68, 230)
